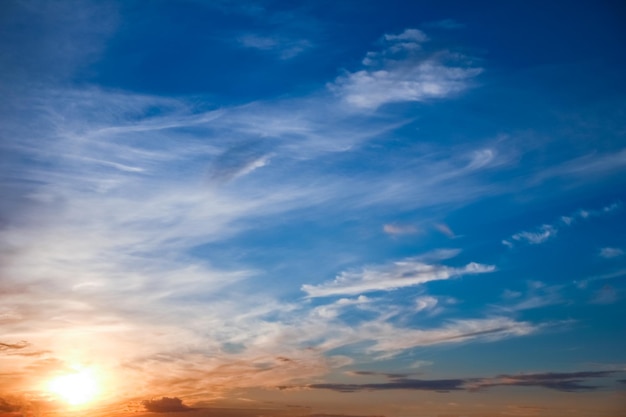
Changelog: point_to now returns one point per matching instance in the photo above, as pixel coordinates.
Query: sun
(76, 388)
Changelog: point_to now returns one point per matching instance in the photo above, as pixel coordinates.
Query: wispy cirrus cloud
(609, 252)
(560, 381)
(402, 71)
(405, 273)
(605, 295)
(537, 295)
(399, 229)
(391, 340)
(285, 48)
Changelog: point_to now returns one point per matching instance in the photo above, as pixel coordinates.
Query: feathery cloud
(609, 253)
(405, 273)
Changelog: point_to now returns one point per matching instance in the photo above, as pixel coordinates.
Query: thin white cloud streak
(605, 295)
(399, 229)
(284, 48)
(402, 72)
(587, 167)
(538, 295)
(391, 340)
(405, 273)
(609, 253)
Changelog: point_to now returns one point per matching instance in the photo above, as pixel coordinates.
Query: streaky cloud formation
(568, 382)
(611, 252)
(404, 273)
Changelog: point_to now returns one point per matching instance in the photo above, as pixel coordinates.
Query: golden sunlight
(76, 388)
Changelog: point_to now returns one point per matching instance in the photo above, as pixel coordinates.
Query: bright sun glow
(76, 388)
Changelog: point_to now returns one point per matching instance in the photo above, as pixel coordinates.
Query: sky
(315, 208)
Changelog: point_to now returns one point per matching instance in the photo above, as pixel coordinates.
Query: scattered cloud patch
(439, 385)
(538, 295)
(563, 381)
(546, 232)
(384, 374)
(238, 160)
(405, 273)
(425, 303)
(420, 364)
(333, 310)
(9, 407)
(398, 230)
(402, 72)
(13, 346)
(605, 295)
(445, 229)
(285, 48)
(412, 36)
(165, 405)
(609, 253)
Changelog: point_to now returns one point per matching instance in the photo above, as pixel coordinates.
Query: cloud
(439, 385)
(609, 253)
(285, 48)
(398, 230)
(538, 295)
(238, 160)
(560, 381)
(402, 72)
(564, 381)
(546, 232)
(8, 407)
(165, 405)
(14, 346)
(405, 273)
(605, 295)
(334, 309)
(372, 373)
(445, 229)
(426, 303)
(390, 340)
(420, 364)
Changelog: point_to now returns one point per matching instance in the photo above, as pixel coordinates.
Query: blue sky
(358, 207)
